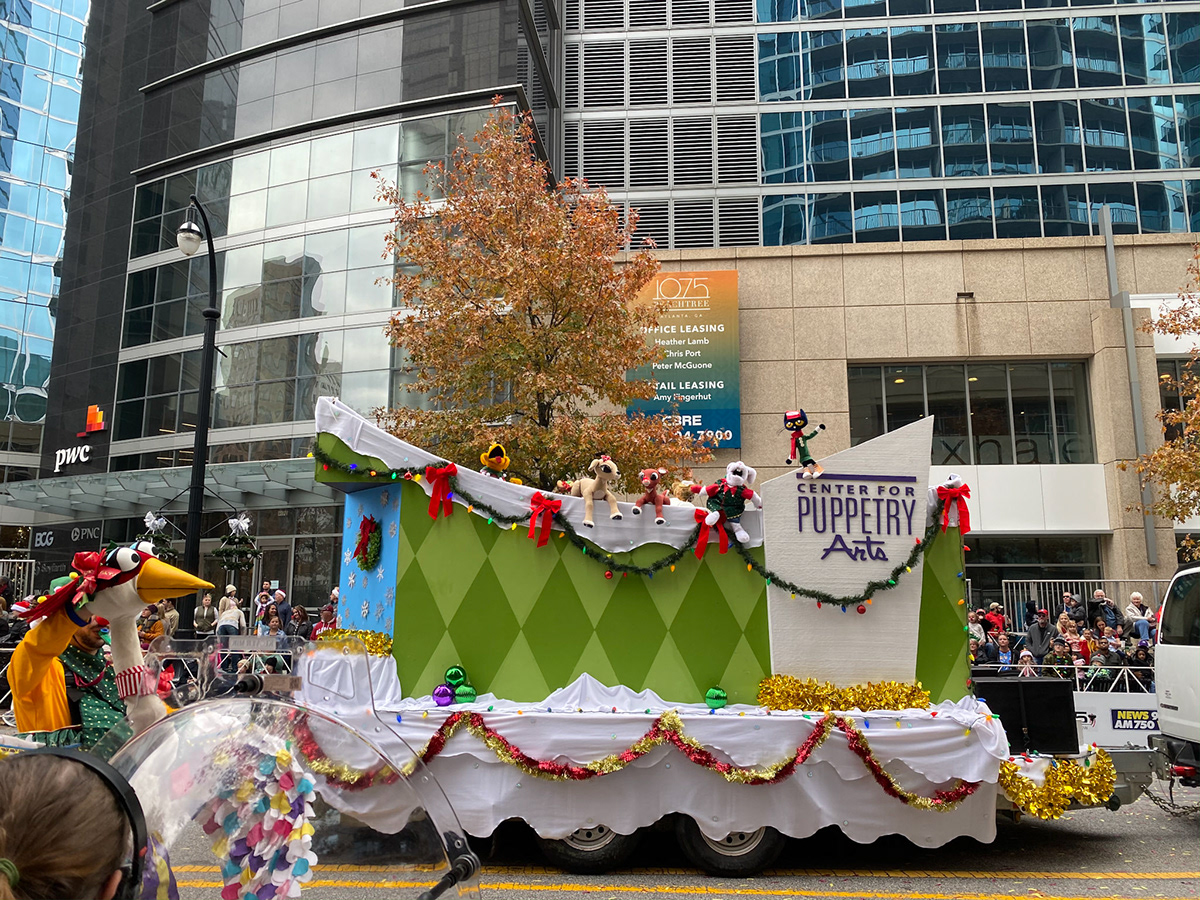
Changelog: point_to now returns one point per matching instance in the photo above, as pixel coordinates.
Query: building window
(1170, 371)
(987, 413)
(992, 561)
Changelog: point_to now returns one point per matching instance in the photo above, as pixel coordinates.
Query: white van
(1177, 677)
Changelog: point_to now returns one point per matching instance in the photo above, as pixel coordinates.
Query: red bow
(959, 496)
(702, 537)
(439, 481)
(540, 503)
(92, 572)
(365, 529)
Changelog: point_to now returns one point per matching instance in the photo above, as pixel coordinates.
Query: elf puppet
(727, 498)
(795, 421)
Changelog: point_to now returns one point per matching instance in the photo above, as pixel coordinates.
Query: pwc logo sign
(68, 456)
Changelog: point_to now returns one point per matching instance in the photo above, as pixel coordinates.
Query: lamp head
(189, 237)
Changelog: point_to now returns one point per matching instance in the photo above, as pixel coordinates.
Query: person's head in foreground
(62, 832)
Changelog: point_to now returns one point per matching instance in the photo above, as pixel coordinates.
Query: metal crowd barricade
(20, 574)
(1085, 678)
(1048, 594)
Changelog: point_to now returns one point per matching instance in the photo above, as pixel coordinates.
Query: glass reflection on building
(39, 108)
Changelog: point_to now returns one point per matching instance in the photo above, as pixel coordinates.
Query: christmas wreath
(370, 540)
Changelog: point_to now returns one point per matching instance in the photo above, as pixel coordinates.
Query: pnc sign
(68, 456)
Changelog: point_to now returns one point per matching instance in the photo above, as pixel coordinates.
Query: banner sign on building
(697, 377)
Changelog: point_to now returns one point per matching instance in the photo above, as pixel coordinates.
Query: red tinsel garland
(667, 729)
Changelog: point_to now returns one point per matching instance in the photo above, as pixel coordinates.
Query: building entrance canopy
(250, 485)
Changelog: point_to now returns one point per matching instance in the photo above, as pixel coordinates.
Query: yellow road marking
(699, 890)
(771, 873)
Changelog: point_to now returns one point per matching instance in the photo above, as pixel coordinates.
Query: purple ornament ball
(443, 695)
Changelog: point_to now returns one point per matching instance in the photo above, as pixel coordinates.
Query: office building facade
(40, 59)
(731, 122)
(276, 116)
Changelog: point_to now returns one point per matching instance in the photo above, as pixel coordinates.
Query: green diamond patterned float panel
(524, 620)
(942, 666)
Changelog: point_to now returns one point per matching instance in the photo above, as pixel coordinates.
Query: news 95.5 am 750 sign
(697, 377)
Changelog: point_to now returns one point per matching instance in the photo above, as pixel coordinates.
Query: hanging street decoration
(445, 487)
(156, 535)
(238, 551)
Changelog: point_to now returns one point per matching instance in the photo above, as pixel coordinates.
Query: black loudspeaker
(1037, 713)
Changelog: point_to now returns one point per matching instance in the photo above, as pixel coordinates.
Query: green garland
(369, 558)
(237, 553)
(616, 565)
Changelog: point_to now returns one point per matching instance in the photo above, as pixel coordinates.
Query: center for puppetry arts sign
(851, 526)
(698, 374)
(859, 512)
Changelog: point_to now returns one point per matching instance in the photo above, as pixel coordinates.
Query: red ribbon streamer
(959, 496)
(540, 503)
(365, 529)
(705, 528)
(439, 481)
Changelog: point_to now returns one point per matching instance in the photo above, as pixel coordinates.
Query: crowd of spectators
(1095, 643)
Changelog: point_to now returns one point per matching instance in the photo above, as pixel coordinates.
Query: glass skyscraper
(732, 122)
(40, 73)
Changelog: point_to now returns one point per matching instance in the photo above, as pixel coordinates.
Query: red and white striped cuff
(134, 682)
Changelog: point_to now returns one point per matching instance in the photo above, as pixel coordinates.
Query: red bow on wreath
(958, 496)
(439, 482)
(365, 529)
(705, 528)
(540, 503)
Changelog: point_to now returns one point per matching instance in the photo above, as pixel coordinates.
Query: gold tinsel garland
(1066, 780)
(377, 643)
(787, 692)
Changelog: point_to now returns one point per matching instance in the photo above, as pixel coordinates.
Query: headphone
(127, 802)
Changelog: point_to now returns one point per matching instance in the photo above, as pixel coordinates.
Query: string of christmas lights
(615, 565)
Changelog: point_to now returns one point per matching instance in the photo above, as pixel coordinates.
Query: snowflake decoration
(396, 503)
(392, 529)
(387, 624)
(366, 608)
(348, 557)
(383, 499)
(347, 521)
(378, 612)
(351, 579)
(360, 509)
(379, 573)
(389, 595)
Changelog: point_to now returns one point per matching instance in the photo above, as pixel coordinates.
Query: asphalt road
(1140, 851)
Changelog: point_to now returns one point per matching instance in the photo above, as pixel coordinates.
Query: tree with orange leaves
(517, 322)
(1174, 467)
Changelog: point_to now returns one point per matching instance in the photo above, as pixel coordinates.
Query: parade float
(756, 669)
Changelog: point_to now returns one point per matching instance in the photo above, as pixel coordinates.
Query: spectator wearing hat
(230, 598)
(1058, 663)
(1039, 635)
(327, 622)
(1076, 610)
(1141, 668)
(282, 607)
(995, 619)
(1027, 667)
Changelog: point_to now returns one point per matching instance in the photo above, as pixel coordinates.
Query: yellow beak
(159, 581)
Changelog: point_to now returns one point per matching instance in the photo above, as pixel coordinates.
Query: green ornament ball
(456, 675)
(716, 697)
(464, 693)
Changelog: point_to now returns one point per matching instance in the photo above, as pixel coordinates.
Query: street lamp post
(188, 238)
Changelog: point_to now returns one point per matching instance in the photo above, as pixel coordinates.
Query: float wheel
(589, 850)
(739, 853)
